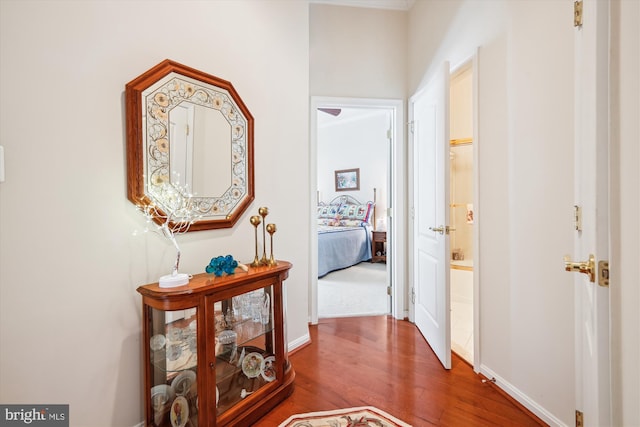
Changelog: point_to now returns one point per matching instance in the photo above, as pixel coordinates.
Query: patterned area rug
(366, 416)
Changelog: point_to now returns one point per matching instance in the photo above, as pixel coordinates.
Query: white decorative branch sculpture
(176, 215)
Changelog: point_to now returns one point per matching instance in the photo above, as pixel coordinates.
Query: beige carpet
(351, 417)
(360, 290)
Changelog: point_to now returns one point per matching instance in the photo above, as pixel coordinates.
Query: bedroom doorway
(355, 139)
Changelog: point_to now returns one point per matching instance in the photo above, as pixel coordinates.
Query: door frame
(473, 61)
(396, 212)
(592, 145)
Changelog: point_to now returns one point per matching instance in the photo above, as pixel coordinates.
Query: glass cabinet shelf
(173, 361)
(244, 346)
(174, 347)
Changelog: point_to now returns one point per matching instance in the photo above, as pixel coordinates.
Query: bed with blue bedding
(344, 234)
(342, 247)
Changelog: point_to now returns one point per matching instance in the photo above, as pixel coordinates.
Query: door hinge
(577, 217)
(579, 419)
(410, 124)
(577, 13)
(413, 295)
(603, 273)
(388, 290)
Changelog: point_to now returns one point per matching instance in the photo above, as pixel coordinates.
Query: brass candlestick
(255, 221)
(271, 228)
(264, 211)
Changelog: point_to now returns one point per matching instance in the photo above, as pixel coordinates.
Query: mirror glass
(199, 135)
(189, 132)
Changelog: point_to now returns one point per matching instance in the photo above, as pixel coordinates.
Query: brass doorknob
(437, 229)
(442, 229)
(586, 267)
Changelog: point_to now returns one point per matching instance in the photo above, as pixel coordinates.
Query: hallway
(383, 362)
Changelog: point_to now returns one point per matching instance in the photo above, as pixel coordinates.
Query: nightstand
(379, 246)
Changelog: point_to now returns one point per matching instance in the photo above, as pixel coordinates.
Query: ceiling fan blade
(332, 111)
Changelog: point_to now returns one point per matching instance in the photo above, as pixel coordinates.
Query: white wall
(461, 103)
(525, 131)
(360, 142)
(357, 52)
(69, 314)
(625, 179)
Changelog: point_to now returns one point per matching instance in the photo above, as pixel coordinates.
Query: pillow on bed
(326, 221)
(355, 212)
(337, 222)
(349, 223)
(328, 211)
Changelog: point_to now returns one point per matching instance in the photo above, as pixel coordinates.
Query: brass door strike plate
(603, 273)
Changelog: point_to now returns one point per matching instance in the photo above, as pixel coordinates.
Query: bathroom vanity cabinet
(214, 351)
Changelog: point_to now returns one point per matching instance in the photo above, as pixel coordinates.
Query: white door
(591, 196)
(431, 214)
(181, 147)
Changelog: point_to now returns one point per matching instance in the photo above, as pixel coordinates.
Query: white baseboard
(292, 345)
(522, 398)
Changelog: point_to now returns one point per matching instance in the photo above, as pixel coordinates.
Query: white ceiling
(376, 4)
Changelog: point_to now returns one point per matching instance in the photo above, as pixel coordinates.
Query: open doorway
(374, 167)
(461, 212)
(353, 143)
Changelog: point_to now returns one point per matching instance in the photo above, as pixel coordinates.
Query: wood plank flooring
(386, 363)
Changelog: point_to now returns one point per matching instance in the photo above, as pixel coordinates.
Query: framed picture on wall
(348, 179)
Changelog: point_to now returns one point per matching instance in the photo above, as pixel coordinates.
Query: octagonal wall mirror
(189, 133)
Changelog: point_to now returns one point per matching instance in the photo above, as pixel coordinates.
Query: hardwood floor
(379, 361)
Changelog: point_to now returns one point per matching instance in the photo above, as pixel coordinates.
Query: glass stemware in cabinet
(173, 361)
(245, 343)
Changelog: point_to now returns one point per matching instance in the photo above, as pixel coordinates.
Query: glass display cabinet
(215, 350)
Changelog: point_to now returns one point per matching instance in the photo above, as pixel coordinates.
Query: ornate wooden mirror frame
(189, 132)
